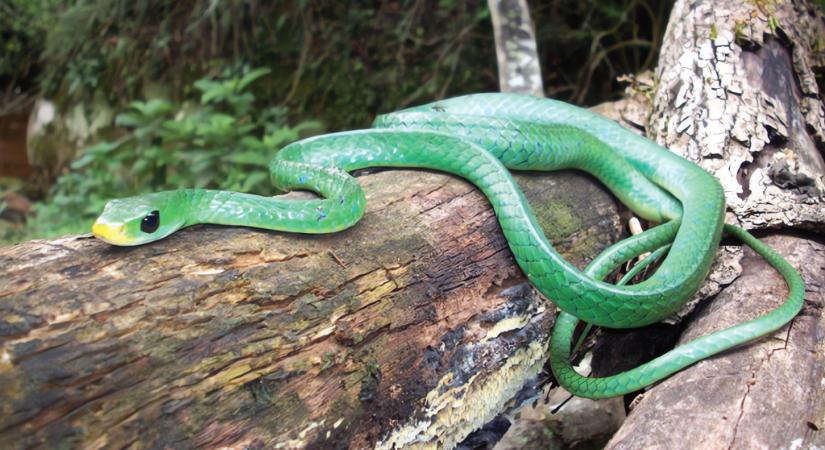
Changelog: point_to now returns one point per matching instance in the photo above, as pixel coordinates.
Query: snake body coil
(478, 137)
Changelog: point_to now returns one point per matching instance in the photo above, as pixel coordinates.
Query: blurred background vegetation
(203, 92)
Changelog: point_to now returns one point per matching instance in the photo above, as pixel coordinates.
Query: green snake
(478, 137)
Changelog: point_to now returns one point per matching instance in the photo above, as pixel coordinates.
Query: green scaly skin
(478, 137)
(683, 355)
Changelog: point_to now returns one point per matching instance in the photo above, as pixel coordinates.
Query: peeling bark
(415, 327)
(412, 328)
(738, 95)
(735, 91)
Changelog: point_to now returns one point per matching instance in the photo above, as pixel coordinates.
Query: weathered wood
(415, 328)
(737, 94)
(411, 329)
(767, 394)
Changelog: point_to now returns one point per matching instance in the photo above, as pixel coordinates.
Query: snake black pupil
(150, 223)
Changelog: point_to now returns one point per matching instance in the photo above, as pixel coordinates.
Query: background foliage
(23, 23)
(329, 65)
(221, 141)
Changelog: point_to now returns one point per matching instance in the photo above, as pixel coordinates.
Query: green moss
(328, 359)
(302, 365)
(370, 382)
(557, 218)
(819, 44)
(773, 23)
(739, 31)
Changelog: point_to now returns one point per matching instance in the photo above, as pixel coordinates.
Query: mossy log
(411, 329)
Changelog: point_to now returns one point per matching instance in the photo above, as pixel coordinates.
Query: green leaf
(309, 125)
(205, 85)
(92, 208)
(153, 108)
(83, 161)
(248, 141)
(212, 91)
(129, 119)
(248, 157)
(253, 179)
(252, 76)
(141, 166)
(101, 148)
(157, 107)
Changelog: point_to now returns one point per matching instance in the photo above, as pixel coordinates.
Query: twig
(337, 259)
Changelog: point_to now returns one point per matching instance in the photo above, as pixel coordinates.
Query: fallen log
(767, 394)
(413, 328)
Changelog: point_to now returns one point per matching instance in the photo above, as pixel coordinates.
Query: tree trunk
(518, 63)
(413, 328)
(735, 91)
(737, 94)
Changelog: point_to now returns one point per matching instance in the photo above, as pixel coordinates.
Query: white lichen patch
(301, 442)
(503, 326)
(451, 413)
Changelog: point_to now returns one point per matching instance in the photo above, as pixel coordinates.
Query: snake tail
(685, 354)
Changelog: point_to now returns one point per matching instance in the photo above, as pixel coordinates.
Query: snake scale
(479, 137)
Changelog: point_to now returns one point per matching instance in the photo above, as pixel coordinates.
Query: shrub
(223, 141)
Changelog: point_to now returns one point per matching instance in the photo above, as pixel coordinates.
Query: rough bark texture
(413, 328)
(735, 91)
(737, 94)
(518, 64)
(767, 394)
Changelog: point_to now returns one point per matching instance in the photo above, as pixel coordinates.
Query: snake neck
(203, 206)
(341, 202)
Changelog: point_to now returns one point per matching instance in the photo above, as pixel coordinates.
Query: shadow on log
(413, 327)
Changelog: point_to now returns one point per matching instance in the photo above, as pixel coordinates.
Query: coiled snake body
(478, 137)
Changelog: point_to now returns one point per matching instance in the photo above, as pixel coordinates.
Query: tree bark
(518, 63)
(737, 94)
(735, 91)
(766, 394)
(413, 328)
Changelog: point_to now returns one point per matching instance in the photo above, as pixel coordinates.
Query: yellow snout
(109, 233)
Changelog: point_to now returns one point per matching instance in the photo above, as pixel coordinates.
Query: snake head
(141, 219)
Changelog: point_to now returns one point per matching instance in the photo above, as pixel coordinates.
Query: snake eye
(150, 223)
